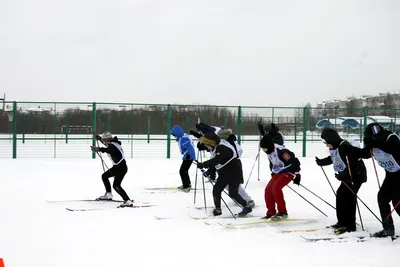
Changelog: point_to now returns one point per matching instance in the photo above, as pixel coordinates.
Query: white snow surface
(34, 232)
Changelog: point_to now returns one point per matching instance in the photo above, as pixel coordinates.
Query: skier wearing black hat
(285, 167)
(225, 160)
(385, 147)
(350, 170)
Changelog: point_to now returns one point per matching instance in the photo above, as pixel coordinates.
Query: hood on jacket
(373, 129)
(204, 128)
(177, 131)
(331, 136)
(266, 142)
(210, 139)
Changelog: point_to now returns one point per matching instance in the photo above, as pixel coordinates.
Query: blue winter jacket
(185, 143)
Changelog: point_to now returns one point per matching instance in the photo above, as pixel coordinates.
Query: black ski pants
(220, 185)
(390, 191)
(184, 173)
(346, 204)
(118, 172)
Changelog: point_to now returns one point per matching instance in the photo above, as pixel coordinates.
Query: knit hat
(224, 133)
(106, 137)
(210, 139)
(266, 142)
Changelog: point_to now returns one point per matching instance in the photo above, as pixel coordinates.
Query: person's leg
(269, 197)
(242, 192)
(384, 199)
(282, 179)
(119, 176)
(341, 204)
(234, 194)
(105, 178)
(217, 191)
(347, 207)
(184, 173)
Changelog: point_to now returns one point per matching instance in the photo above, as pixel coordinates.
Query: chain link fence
(65, 129)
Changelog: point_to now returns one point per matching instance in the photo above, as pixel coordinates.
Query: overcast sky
(228, 52)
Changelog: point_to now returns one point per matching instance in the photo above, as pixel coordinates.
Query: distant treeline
(143, 120)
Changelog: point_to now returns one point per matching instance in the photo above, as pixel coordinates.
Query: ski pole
(376, 172)
(307, 200)
(259, 149)
(252, 168)
(102, 162)
(204, 187)
(390, 214)
(195, 181)
(358, 207)
(318, 196)
(328, 180)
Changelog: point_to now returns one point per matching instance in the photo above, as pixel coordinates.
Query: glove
(318, 161)
(297, 179)
(97, 137)
(95, 149)
(260, 127)
(201, 146)
(211, 174)
(187, 156)
(200, 165)
(195, 134)
(274, 130)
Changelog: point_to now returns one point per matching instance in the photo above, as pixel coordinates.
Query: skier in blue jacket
(186, 148)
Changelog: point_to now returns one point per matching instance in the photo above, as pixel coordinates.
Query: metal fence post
(148, 129)
(304, 131)
(55, 130)
(168, 131)
(239, 124)
(14, 129)
(94, 126)
(24, 128)
(66, 127)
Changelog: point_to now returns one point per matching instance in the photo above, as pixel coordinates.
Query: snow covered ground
(34, 232)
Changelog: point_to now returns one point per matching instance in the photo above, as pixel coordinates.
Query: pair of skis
(134, 205)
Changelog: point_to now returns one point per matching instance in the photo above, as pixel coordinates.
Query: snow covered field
(36, 233)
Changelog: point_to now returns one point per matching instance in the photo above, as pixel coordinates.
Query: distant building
(382, 104)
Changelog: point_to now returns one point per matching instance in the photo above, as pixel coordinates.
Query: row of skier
(345, 156)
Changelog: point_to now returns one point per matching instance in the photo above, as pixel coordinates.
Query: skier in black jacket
(385, 147)
(351, 171)
(225, 161)
(118, 170)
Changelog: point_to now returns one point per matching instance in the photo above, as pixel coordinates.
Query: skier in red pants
(285, 167)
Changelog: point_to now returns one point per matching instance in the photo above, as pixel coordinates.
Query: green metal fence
(54, 128)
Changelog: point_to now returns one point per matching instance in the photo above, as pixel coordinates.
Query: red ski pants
(273, 192)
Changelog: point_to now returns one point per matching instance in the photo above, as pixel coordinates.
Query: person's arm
(222, 155)
(324, 162)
